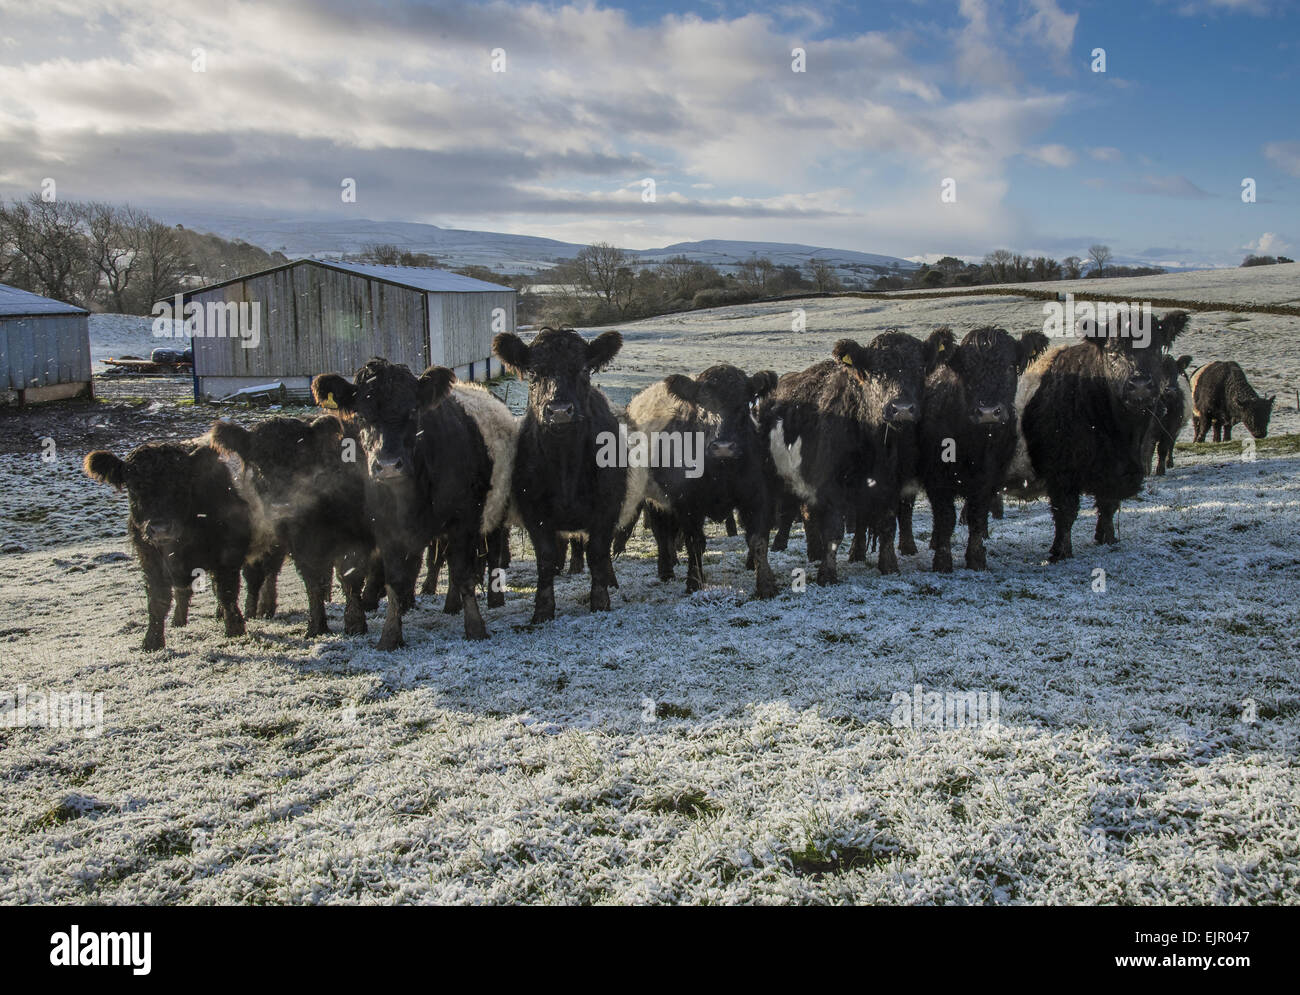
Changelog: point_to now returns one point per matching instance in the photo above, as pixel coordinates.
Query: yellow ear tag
(846, 359)
(329, 402)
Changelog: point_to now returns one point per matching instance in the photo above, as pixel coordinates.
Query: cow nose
(386, 467)
(900, 412)
(989, 414)
(1142, 387)
(723, 450)
(159, 531)
(559, 412)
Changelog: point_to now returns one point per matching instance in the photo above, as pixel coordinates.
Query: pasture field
(704, 749)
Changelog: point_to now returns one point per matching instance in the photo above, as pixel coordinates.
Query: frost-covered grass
(701, 749)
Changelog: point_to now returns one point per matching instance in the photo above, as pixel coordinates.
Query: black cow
(1172, 413)
(734, 471)
(1084, 411)
(561, 489)
(1221, 397)
(968, 435)
(314, 496)
(186, 520)
(431, 471)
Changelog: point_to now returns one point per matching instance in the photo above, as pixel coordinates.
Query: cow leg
(693, 529)
(995, 506)
(1065, 509)
(498, 545)
(268, 597)
(756, 524)
(254, 578)
(463, 564)
(157, 585)
(731, 524)
(576, 556)
(1227, 431)
(373, 589)
(546, 546)
(182, 613)
(858, 547)
(400, 571)
(812, 538)
(624, 533)
(663, 525)
(787, 511)
(1218, 431)
(318, 580)
(1105, 534)
(888, 560)
(945, 520)
(828, 524)
(352, 578)
(226, 583)
(906, 541)
(977, 527)
(435, 556)
(602, 569)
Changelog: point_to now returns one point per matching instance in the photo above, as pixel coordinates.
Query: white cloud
(1284, 155)
(1106, 153)
(1268, 244)
(1052, 155)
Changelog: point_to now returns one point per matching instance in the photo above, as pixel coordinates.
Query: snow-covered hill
(496, 250)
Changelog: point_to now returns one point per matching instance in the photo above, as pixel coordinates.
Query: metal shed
(313, 316)
(44, 348)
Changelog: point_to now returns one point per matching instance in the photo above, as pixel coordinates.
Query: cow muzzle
(559, 413)
(717, 449)
(387, 468)
(989, 414)
(900, 412)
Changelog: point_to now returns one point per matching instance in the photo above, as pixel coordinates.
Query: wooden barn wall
(467, 324)
(44, 349)
(315, 320)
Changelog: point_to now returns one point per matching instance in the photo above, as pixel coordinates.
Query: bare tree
(823, 274)
(1072, 267)
(998, 263)
(597, 269)
(165, 264)
(113, 244)
(382, 253)
(49, 244)
(1100, 256)
(756, 273)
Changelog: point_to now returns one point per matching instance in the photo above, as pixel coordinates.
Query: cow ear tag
(846, 359)
(329, 402)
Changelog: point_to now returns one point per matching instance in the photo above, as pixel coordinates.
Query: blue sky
(1047, 156)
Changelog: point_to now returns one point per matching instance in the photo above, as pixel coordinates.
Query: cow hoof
(907, 547)
(358, 628)
(179, 622)
(600, 601)
(496, 599)
(766, 588)
(477, 633)
(235, 629)
(152, 643)
(666, 575)
(888, 567)
(317, 630)
(826, 578)
(539, 618)
(976, 563)
(387, 643)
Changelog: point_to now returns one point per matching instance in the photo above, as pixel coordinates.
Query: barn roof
(412, 277)
(20, 303)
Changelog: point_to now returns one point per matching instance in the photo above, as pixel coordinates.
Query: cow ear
(602, 349)
(512, 351)
(333, 392)
(939, 348)
(1183, 362)
(1172, 326)
(434, 385)
(103, 466)
(231, 438)
(682, 388)
(1030, 346)
(848, 353)
(763, 383)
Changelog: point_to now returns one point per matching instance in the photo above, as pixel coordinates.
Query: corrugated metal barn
(44, 348)
(315, 316)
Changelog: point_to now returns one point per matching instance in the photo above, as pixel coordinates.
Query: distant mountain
(457, 247)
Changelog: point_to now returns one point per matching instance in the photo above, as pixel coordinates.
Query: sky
(583, 102)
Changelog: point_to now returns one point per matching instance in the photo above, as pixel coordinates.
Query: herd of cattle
(401, 466)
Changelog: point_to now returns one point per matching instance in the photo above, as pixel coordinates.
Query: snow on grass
(688, 749)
